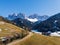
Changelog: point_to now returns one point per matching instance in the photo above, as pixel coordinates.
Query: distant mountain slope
(30, 17)
(51, 24)
(23, 23)
(26, 21)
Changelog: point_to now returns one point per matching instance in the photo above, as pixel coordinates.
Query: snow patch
(3, 38)
(35, 31)
(32, 20)
(55, 21)
(55, 34)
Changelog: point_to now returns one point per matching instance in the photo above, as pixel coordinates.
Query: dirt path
(19, 40)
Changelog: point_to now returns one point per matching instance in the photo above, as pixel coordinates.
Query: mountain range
(12, 34)
(26, 21)
(41, 18)
(14, 16)
(51, 24)
(30, 17)
(36, 22)
(29, 22)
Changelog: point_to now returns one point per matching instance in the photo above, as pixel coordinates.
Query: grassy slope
(19, 40)
(9, 29)
(37, 39)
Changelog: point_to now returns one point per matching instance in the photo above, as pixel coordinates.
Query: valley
(21, 31)
(37, 39)
(29, 22)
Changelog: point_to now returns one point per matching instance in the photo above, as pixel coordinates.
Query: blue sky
(28, 7)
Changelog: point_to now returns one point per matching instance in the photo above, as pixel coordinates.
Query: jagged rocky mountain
(32, 18)
(15, 16)
(36, 16)
(26, 21)
(20, 20)
(51, 24)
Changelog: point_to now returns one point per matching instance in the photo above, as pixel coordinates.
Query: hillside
(37, 39)
(23, 23)
(9, 32)
(4, 19)
(19, 40)
(51, 24)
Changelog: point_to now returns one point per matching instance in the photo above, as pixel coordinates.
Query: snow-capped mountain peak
(14, 16)
(41, 18)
